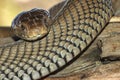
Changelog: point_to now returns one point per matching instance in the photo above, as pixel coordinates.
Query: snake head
(31, 25)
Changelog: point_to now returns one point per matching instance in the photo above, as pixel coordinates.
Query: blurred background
(10, 8)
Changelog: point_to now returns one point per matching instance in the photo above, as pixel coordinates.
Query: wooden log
(111, 47)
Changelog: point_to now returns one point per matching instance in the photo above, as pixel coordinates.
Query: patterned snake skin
(74, 28)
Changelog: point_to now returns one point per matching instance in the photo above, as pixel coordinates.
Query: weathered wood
(5, 32)
(111, 47)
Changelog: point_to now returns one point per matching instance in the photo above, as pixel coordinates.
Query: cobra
(67, 35)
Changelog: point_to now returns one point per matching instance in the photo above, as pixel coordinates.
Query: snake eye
(22, 27)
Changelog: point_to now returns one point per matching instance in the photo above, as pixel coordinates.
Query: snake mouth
(34, 34)
(33, 38)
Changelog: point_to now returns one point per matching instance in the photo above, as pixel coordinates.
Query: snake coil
(72, 30)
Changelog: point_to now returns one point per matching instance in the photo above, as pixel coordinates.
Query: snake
(48, 43)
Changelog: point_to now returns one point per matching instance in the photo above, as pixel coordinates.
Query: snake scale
(74, 28)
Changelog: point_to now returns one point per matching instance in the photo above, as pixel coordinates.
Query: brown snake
(72, 30)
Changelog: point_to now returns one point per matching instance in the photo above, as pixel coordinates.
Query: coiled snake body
(72, 30)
